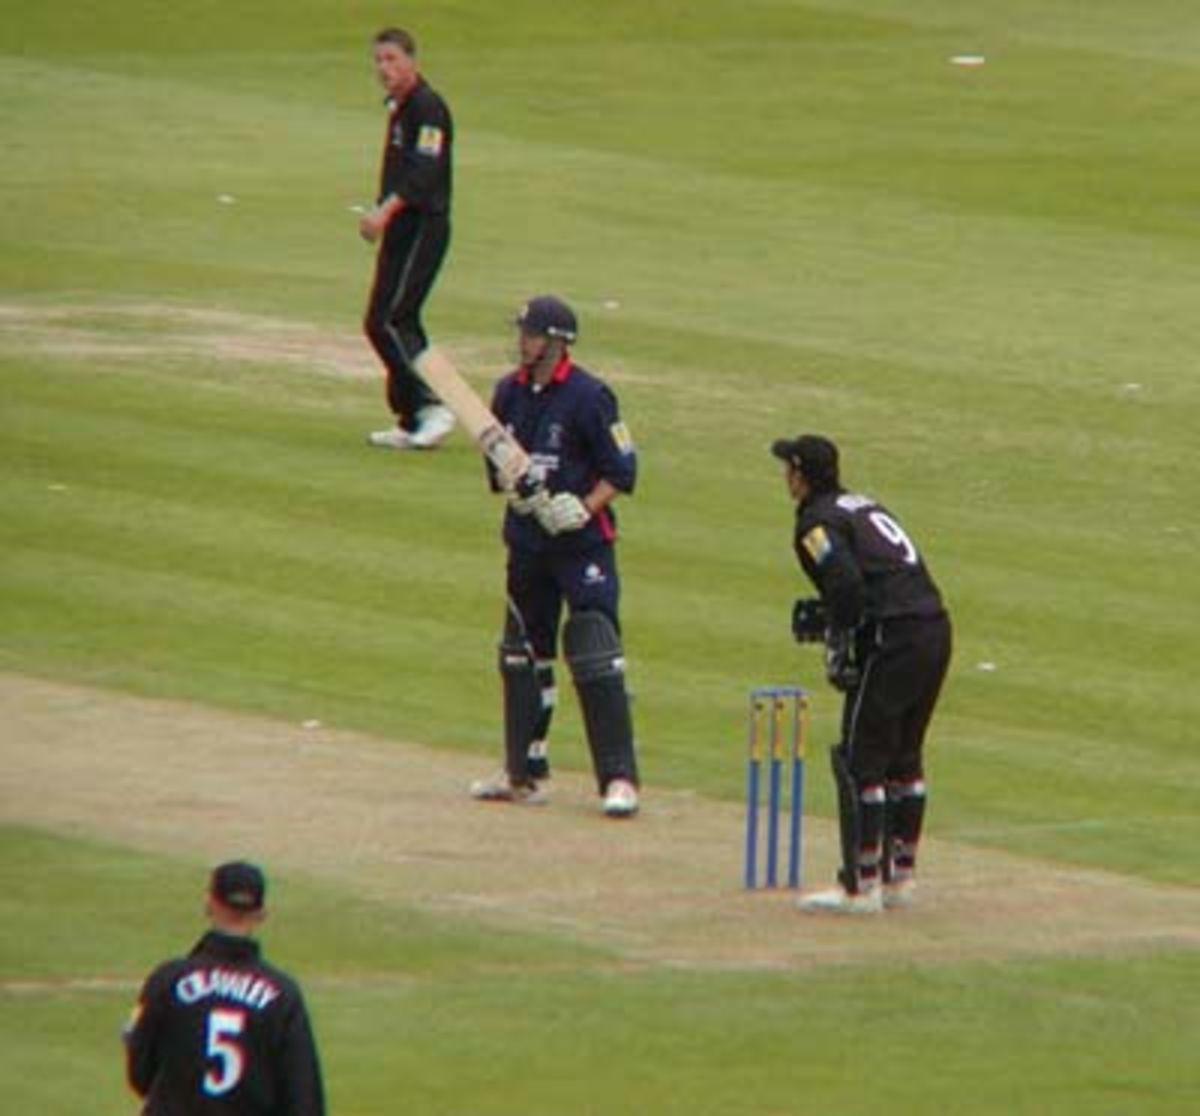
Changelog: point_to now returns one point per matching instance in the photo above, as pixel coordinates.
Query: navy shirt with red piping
(571, 427)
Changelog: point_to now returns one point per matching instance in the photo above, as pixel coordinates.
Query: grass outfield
(771, 217)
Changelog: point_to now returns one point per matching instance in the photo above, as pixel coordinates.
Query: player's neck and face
(539, 355)
(228, 920)
(797, 486)
(396, 69)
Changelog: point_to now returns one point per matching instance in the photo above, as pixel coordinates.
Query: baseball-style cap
(814, 456)
(239, 884)
(549, 316)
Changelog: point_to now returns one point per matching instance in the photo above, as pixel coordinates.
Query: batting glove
(563, 512)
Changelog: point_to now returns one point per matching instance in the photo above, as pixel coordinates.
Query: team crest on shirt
(593, 574)
(621, 437)
(817, 543)
(430, 140)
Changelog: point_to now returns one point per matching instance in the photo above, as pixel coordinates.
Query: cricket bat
(505, 453)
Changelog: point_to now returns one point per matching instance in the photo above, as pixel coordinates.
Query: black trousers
(885, 717)
(408, 262)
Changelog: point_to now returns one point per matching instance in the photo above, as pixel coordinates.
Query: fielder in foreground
(887, 648)
(220, 1031)
(560, 529)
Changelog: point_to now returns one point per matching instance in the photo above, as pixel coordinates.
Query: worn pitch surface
(393, 820)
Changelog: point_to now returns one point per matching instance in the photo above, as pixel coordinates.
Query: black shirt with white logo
(222, 1032)
(862, 561)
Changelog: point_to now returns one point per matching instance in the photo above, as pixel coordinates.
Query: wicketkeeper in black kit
(220, 1032)
(412, 216)
(560, 529)
(887, 648)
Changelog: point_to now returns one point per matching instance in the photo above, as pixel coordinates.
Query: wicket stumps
(777, 728)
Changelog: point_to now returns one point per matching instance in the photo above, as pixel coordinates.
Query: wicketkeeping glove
(841, 664)
(809, 620)
(564, 511)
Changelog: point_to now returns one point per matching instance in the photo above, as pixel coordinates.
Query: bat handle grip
(526, 487)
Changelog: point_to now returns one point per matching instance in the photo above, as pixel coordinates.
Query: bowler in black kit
(887, 648)
(411, 222)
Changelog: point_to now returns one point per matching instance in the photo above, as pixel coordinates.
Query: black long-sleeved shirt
(222, 1033)
(417, 155)
(861, 560)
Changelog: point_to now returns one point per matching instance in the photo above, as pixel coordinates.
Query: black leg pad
(848, 817)
(593, 652)
(522, 695)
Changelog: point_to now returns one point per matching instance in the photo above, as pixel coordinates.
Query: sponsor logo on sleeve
(621, 437)
(817, 543)
(430, 140)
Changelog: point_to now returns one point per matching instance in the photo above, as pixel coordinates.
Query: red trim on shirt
(561, 371)
(605, 523)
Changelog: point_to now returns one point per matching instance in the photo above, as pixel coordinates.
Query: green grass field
(771, 216)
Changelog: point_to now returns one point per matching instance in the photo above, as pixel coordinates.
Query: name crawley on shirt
(248, 989)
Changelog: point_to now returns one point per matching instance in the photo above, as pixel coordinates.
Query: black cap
(239, 884)
(548, 316)
(814, 456)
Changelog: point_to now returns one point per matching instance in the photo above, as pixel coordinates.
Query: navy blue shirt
(574, 435)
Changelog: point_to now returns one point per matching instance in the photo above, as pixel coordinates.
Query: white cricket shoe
(393, 438)
(620, 799)
(899, 895)
(434, 423)
(500, 788)
(839, 901)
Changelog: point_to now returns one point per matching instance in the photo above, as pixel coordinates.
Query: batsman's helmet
(548, 316)
(814, 456)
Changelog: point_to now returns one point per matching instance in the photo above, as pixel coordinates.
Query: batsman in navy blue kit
(887, 649)
(560, 528)
(221, 1032)
(411, 223)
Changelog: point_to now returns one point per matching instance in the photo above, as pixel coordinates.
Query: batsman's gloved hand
(841, 661)
(809, 620)
(564, 511)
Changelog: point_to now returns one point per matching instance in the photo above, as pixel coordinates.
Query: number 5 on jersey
(222, 1046)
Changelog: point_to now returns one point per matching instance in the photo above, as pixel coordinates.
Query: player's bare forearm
(601, 496)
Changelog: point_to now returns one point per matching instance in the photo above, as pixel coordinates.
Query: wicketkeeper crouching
(887, 649)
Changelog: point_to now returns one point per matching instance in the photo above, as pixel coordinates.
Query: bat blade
(505, 453)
